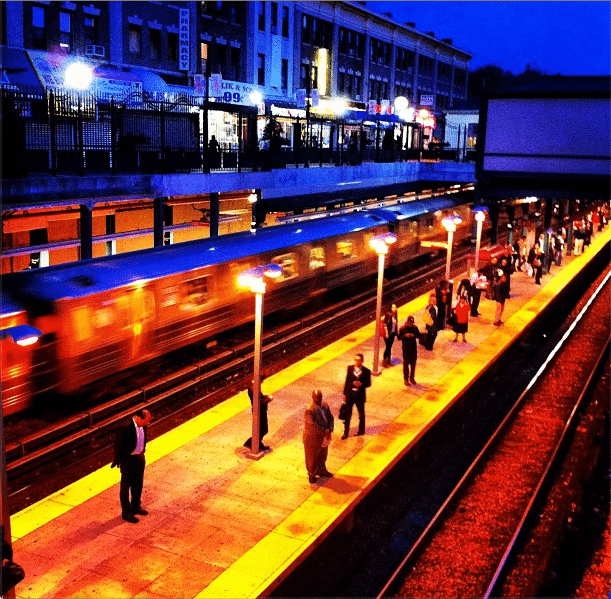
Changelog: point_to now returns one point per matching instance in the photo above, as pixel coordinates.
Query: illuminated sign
(183, 40)
(426, 99)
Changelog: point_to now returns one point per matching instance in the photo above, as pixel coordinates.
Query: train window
(428, 220)
(288, 262)
(103, 317)
(195, 293)
(170, 296)
(81, 324)
(345, 249)
(317, 258)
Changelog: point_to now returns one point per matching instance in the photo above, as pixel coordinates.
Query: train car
(16, 341)
(104, 315)
(420, 221)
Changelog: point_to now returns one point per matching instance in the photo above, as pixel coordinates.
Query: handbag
(12, 574)
(343, 411)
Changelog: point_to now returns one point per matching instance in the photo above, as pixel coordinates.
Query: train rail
(197, 386)
(469, 548)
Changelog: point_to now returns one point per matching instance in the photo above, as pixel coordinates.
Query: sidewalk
(221, 525)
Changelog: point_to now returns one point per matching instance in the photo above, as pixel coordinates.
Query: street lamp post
(450, 222)
(78, 78)
(380, 244)
(480, 217)
(339, 107)
(253, 279)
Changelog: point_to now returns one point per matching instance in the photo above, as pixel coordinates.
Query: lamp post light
(253, 280)
(78, 77)
(339, 108)
(450, 222)
(480, 217)
(380, 244)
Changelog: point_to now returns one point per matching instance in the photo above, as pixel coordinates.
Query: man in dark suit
(358, 378)
(130, 444)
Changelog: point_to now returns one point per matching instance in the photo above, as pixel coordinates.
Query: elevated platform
(221, 525)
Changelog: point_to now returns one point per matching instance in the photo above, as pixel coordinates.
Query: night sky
(567, 38)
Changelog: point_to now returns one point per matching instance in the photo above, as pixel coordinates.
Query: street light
(78, 77)
(339, 108)
(450, 222)
(380, 244)
(253, 280)
(480, 217)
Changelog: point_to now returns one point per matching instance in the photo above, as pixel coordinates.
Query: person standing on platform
(391, 328)
(443, 295)
(409, 335)
(317, 431)
(358, 378)
(461, 319)
(430, 323)
(537, 264)
(264, 401)
(130, 445)
(501, 294)
(479, 284)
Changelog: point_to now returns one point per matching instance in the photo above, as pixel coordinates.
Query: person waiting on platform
(389, 330)
(430, 323)
(264, 401)
(358, 378)
(479, 284)
(461, 318)
(501, 293)
(444, 297)
(318, 427)
(409, 335)
(130, 445)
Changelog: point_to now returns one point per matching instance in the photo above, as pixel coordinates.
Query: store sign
(426, 99)
(293, 113)
(300, 98)
(232, 92)
(183, 40)
(130, 91)
(199, 85)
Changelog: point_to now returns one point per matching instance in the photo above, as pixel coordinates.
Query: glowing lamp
(401, 104)
(78, 76)
(256, 97)
(22, 334)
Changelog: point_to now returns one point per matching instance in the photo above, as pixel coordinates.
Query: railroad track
(469, 548)
(200, 385)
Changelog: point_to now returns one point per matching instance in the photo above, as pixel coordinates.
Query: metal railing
(77, 133)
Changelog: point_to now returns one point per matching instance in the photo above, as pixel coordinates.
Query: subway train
(100, 316)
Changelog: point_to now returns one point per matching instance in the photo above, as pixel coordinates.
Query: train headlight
(22, 334)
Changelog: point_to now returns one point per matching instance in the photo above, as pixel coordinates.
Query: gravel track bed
(464, 553)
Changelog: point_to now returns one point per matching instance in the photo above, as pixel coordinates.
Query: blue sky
(570, 38)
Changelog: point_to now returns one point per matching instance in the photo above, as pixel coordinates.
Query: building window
(203, 56)
(39, 28)
(261, 16)
(65, 31)
(155, 41)
(261, 69)
(111, 224)
(91, 30)
(234, 65)
(173, 47)
(460, 77)
(274, 7)
(425, 65)
(135, 39)
(285, 74)
(285, 21)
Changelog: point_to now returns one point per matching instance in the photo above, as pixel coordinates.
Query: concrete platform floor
(222, 525)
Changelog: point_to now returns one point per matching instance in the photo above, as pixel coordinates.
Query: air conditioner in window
(357, 98)
(94, 50)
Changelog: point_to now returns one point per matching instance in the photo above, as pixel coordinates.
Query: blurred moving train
(100, 316)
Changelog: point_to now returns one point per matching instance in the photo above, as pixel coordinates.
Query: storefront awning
(17, 70)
